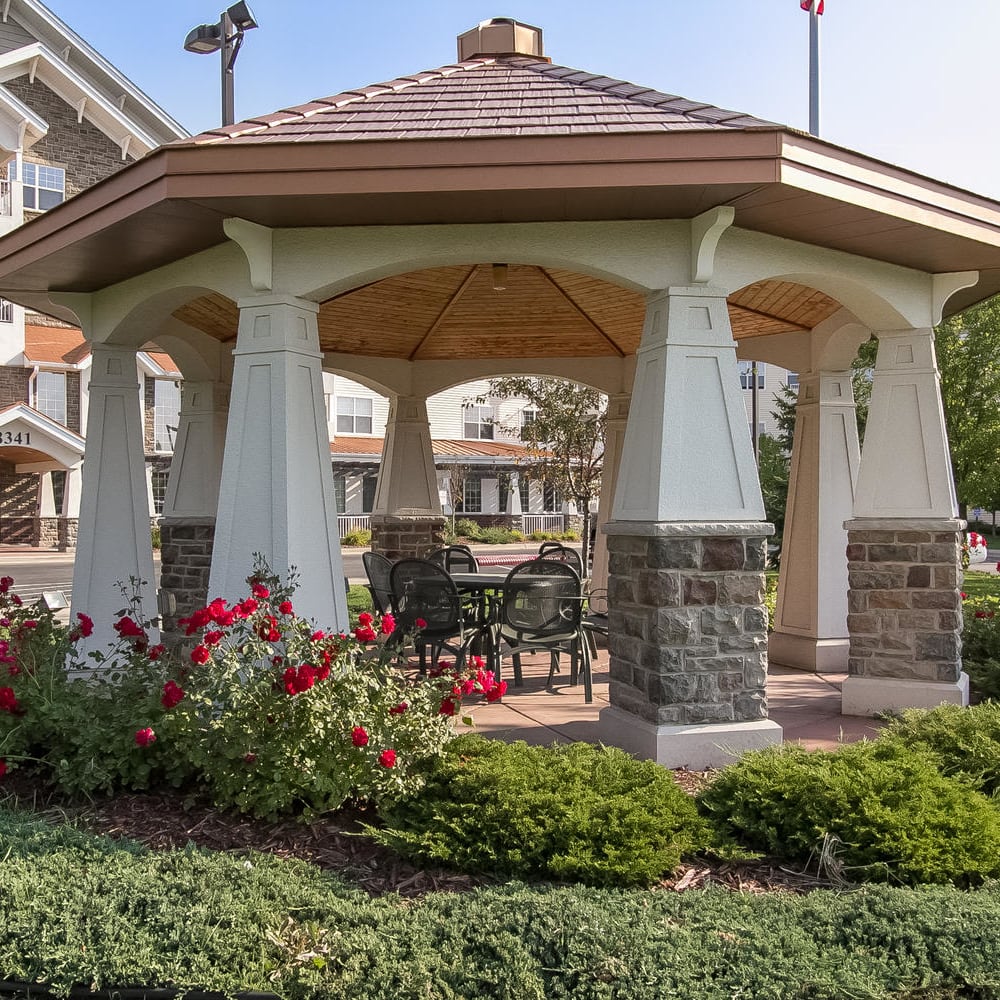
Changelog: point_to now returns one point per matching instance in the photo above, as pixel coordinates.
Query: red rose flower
(365, 618)
(388, 624)
(365, 633)
(3, 767)
(6, 582)
(359, 737)
(127, 628)
(420, 623)
(285, 607)
(399, 709)
(496, 692)
(155, 652)
(8, 700)
(249, 758)
(387, 758)
(213, 638)
(246, 608)
(145, 737)
(200, 654)
(449, 706)
(260, 592)
(173, 695)
(298, 680)
(316, 636)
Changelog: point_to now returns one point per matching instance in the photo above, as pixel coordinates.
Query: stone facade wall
(19, 503)
(398, 538)
(14, 383)
(687, 623)
(185, 564)
(904, 602)
(73, 402)
(81, 148)
(56, 532)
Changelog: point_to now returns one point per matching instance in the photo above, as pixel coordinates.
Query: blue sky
(912, 82)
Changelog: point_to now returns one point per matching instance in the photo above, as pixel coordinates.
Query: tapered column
(904, 542)
(114, 536)
(187, 528)
(614, 439)
(276, 492)
(407, 519)
(688, 630)
(810, 630)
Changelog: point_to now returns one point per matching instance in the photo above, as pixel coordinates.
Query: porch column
(276, 491)
(687, 545)
(47, 530)
(114, 534)
(810, 630)
(614, 438)
(187, 527)
(69, 516)
(514, 502)
(904, 542)
(407, 520)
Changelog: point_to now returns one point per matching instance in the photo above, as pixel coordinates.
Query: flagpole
(814, 12)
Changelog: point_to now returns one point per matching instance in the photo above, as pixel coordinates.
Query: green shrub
(465, 527)
(155, 537)
(569, 536)
(498, 536)
(358, 537)
(771, 598)
(577, 812)
(892, 814)
(963, 742)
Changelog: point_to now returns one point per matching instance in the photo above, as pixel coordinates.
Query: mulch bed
(164, 820)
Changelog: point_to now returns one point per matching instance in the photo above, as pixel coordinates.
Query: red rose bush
(258, 707)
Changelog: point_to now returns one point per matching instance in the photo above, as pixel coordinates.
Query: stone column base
(871, 696)
(696, 746)
(405, 536)
(803, 652)
(185, 563)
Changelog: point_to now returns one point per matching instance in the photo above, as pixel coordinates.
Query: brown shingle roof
(502, 95)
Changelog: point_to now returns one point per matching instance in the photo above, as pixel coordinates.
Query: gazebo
(647, 242)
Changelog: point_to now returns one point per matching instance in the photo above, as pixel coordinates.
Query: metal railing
(543, 522)
(353, 522)
(6, 201)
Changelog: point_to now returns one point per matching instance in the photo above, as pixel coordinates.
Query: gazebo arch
(672, 210)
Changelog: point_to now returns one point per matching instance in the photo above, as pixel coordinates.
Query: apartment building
(68, 119)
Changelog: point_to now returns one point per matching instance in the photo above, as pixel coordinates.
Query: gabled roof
(54, 345)
(52, 441)
(445, 450)
(501, 95)
(73, 52)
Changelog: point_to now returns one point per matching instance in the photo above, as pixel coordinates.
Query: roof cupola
(501, 36)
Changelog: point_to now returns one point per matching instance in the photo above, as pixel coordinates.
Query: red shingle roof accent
(453, 448)
(54, 345)
(503, 95)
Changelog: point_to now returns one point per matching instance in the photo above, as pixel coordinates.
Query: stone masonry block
(700, 591)
(756, 554)
(718, 620)
(742, 588)
(857, 552)
(657, 589)
(892, 553)
(674, 553)
(938, 646)
(949, 600)
(677, 627)
(888, 599)
(749, 707)
(869, 580)
(946, 577)
(918, 576)
(932, 553)
(708, 712)
(722, 553)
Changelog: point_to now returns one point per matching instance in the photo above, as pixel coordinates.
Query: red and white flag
(807, 5)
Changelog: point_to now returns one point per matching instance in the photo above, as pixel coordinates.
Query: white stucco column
(46, 496)
(114, 540)
(276, 491)
(72, 491)
(407, 518)
(810, 630)
(903, 552)
(514, 495)
(687, 546)
(614, 438)
(196, 465)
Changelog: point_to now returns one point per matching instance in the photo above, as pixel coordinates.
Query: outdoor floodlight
(54, 600)
(225, 37)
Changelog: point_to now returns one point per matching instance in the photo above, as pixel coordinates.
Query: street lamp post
(225, 37)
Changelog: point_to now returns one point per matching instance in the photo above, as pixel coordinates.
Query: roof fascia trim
(44, 425)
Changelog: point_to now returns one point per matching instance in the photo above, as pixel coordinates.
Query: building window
(6, 311)
(792, 380)
(746, 375)
(59, 489)
(478, 423)
(50, 395)
(340, 493)
(524, 488)
(528, 417)
(472, 497)
(166, 414)
(551, 499)
(159, 483)
(761, 431)
(354, 415)
(44, 187)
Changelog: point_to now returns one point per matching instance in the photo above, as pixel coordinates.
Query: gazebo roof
(484, 97)
(499, 137)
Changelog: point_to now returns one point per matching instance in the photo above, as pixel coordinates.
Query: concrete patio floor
(805, 705)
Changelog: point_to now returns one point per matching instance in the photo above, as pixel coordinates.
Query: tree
(968, 355)
(773, 471)
(565, 439)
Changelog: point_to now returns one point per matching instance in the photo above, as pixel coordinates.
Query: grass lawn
(981, 584)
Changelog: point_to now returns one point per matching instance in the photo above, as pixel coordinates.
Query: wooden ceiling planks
(455, 312)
